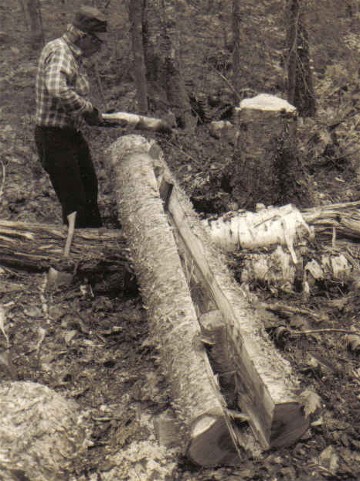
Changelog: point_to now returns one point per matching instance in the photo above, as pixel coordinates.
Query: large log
(199, 405)
(36, 247)
(267, 388)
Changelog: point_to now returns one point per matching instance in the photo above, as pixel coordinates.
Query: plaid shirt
(61, 85)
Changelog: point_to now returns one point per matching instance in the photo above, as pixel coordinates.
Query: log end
(289, 424)
(211, 444)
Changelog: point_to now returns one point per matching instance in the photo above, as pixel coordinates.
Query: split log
(41, 433)
(266, 166)
(141, 122)
(267, 386)
(196, 399)
(36, 247)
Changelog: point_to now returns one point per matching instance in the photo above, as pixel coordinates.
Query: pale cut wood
(71, 230)
(195, 395)
(141, 122)
(267, 387)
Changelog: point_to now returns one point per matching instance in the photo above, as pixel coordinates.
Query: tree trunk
(266, 167)
(195, 395)
(162, 58)
(34, 20)
(300, 82)
(136, 14)
(236, 22)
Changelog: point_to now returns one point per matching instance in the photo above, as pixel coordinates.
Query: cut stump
(266, 166)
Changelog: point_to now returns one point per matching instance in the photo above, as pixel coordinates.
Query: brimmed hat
(90, 20)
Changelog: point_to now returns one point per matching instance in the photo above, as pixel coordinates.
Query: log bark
(341, 220)
(36, 247)
(195, 395)
(267, 388)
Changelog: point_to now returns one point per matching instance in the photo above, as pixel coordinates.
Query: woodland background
(102, 356)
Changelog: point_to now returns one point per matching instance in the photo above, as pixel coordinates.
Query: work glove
(93, 117)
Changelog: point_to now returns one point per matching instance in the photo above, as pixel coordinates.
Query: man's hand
(93, 117)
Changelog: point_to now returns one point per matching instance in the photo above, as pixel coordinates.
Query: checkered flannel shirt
(61, 85)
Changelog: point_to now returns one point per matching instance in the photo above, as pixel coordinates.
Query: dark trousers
(65, 155)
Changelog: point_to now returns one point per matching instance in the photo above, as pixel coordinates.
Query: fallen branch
(37, 247)
(285, 309)
(324, 331)
(124, 119)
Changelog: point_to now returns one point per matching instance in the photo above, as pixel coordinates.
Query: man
(62, 106)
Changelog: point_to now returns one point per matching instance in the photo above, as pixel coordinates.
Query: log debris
(36, 247)
(274, 225)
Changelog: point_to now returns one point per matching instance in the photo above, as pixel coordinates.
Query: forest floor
(94, 346)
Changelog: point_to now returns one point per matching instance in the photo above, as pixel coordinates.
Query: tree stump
(266, 167)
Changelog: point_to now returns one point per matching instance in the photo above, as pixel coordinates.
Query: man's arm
(57, 74)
